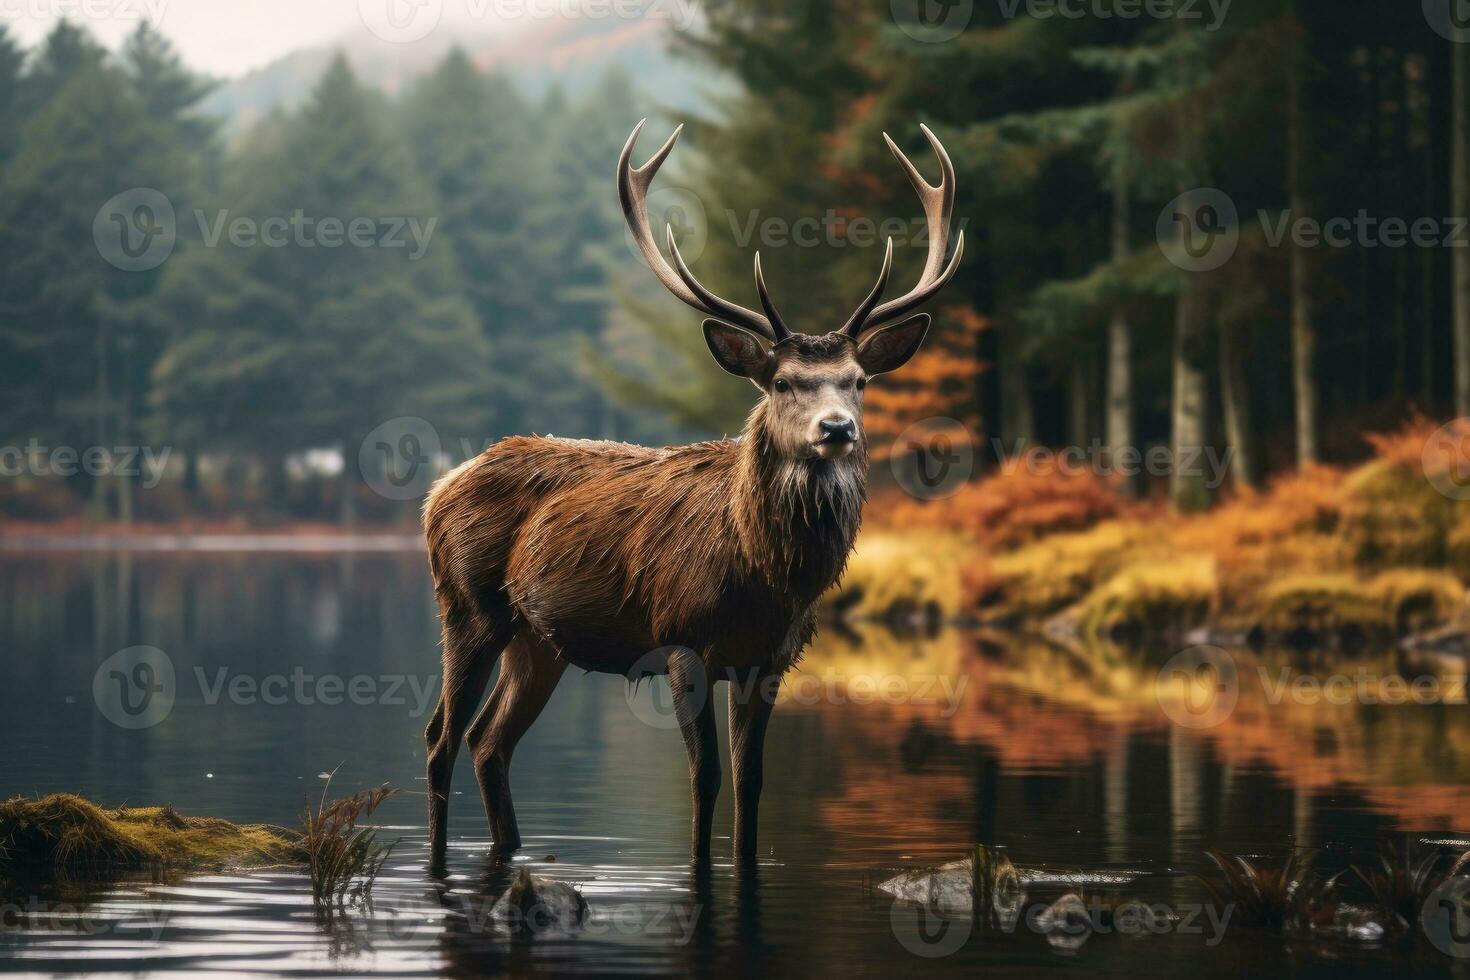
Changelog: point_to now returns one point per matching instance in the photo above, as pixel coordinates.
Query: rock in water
(945, 889)
(1067, 923)
(534, 904)
(1135, 918)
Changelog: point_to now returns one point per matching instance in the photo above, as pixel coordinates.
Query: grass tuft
(343, 859)
(1401, 883)
(992, 877)
(1292, 894)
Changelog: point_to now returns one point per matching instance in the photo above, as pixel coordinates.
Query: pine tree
(69, 311)
(319, 338)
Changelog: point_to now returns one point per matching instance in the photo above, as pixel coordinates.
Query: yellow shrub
(1327, 601)
(1053, 573)
(1150, 598)
(892, 574)
(1413, 598)
(1392, 601)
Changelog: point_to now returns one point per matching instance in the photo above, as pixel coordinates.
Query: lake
(889, 753)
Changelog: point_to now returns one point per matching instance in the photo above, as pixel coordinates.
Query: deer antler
(633, 193)
(938, 202)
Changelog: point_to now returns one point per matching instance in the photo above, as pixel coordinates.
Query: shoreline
(222, 538)
(211, 542)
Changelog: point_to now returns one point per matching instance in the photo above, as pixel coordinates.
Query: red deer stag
(549, 552)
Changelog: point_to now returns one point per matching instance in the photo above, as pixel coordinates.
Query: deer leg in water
(693, 695)
(752, 696)
(529, 672)
(469, 658)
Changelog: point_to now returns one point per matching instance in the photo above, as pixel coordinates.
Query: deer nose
(839, 430)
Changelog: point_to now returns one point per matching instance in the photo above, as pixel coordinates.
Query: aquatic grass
(343, 858)
(1273, 898)
(992, 878)
(1400, 884)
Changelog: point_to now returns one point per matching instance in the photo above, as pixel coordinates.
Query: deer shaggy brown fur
(705, 560)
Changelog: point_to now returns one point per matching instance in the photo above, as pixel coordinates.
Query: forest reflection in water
(888, 752)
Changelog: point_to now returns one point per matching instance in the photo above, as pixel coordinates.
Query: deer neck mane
(796, 519)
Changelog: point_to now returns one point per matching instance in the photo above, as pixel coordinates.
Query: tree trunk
(1018, 417)
(126, 484)
(1080, 395)
(1235, 399)
(1303, 331)
(275, 484)
(1187, 428)
(1120, 347)
(191, 478)
(348, 504)
(100, 481)
(1460, 256)
(1187, 489)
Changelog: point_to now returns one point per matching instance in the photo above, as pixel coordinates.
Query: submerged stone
(1066, 923)
(945, 889)
(534, 904)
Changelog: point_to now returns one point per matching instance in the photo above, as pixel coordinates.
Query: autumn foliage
(940, 382)
(1382, 547)
(1017, 505)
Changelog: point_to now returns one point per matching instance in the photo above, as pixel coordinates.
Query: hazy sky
(220, 37)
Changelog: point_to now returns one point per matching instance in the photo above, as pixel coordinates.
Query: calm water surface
(889, 754)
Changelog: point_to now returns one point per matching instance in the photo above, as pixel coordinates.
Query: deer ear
(737, 350)
(889, 348)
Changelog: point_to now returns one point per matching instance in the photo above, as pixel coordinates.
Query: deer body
(609, 551)
(707, 559)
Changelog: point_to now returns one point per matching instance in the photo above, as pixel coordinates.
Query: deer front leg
(693, 695)
(752, 696)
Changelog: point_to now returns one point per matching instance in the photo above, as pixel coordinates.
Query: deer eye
(783, 385)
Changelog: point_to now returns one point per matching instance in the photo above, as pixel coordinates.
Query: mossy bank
(67, 836)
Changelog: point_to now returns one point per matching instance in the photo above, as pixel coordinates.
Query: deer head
(812, 383)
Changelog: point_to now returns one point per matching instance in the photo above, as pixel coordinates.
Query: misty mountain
(571, 53)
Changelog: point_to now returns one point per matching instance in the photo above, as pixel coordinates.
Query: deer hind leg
(470, 651)
(529, 673)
